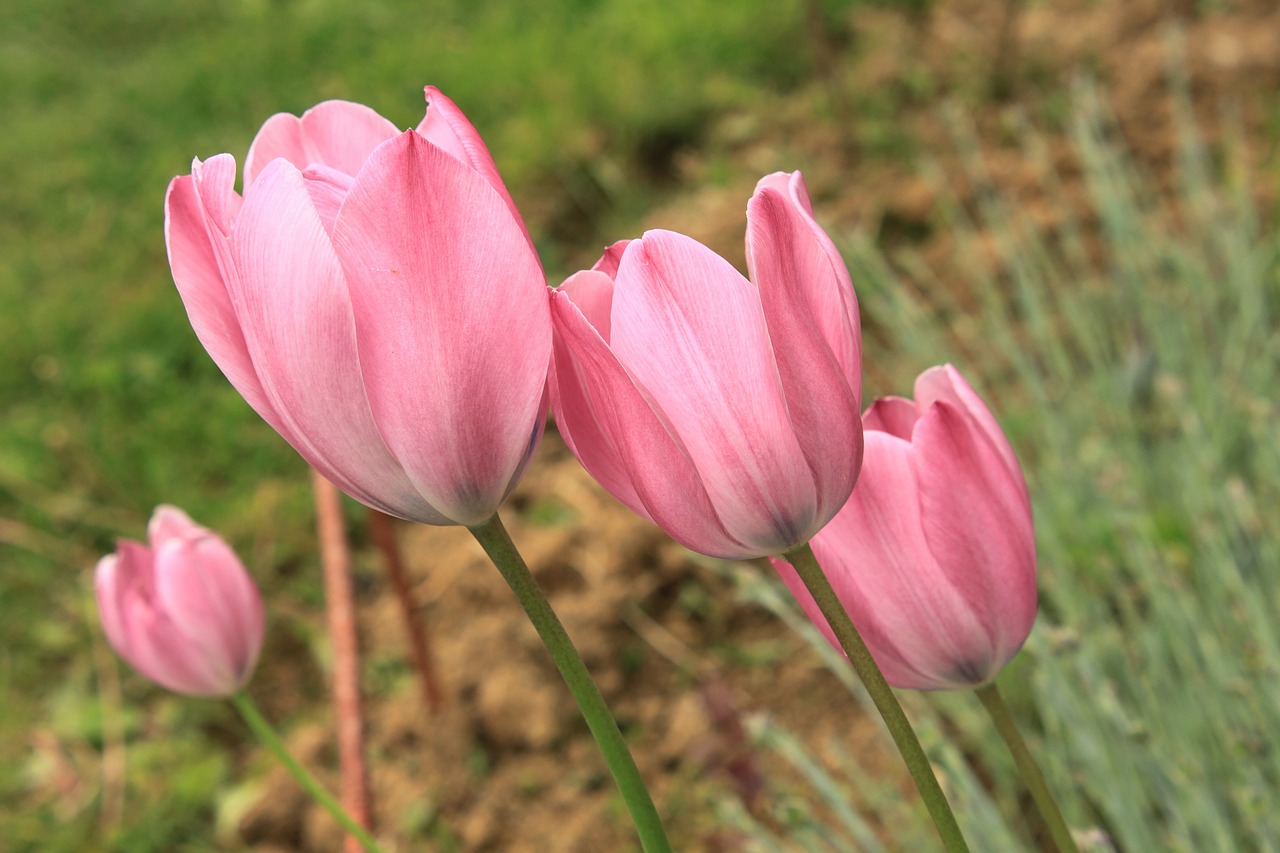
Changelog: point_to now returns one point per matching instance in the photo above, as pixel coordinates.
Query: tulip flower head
(181, 610)
(375, 297)
(726, 410)
(934, 555)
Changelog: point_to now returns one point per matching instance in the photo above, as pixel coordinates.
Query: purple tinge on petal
(690, 330)
(338, 134)
(451, 315)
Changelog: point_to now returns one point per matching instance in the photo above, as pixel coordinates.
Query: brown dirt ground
(508, 765)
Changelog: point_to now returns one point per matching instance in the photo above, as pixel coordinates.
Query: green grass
(1134, 368)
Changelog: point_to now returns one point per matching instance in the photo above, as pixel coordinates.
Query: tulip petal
(296, 316)
(946, 383)
(812, 318)
(200, 274)
(785, 243)
(447, 127)
(909, 612)
(894, 415)
(337, 134)
(978, 526)
(451, 315)
(611, 259)
(690, 330)
(620, 440)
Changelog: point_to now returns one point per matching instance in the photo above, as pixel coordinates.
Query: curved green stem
(806, 566)
(1031, 775)
(258, 723)
(495, 540)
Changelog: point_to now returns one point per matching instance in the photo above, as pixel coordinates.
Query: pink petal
(786, 244)
(169, 522)
(446, 126)
(621, 442)
(199, 258)
(337, 134)
(812, 319)
(914, 619)
(894, 415)
(946, 383)
(690, 331)
(296, 316)
(611, 259)
(451, 315)
(978, 526)
(592, 293)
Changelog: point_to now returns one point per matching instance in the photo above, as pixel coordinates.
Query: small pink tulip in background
(375, 297)
(724, 410)
(181, 610)
(934, 556)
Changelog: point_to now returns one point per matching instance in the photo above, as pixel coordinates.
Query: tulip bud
(724, 410)
(182, 611)
(933, 557)
(375, 297)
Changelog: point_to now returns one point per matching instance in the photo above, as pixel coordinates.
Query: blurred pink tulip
(183, 612)
(934, 556)
(724, 410)
(376, 298)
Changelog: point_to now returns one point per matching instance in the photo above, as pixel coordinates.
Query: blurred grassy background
(1129, 338)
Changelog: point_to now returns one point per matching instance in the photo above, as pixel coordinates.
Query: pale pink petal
(804, 298)
(296, 315)
(446, 126)
(328, 188)
(198, 271)
(592, 292)
(894, 415)
(622, 442)
(690, 330)
(169, 522)
(337, 134)
(978, 526)
(451, 315)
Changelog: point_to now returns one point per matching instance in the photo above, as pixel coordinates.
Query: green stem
(309, 783)
(806, 566)
(495, 540)
(1031, 775)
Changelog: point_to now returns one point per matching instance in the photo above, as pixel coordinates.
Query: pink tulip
(724, 410)
(183, 612)
(376, 299)
(934, 556)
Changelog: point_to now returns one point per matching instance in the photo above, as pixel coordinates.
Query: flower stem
(806, 566)
(495, 540)
(1031, 775)
(258, 723)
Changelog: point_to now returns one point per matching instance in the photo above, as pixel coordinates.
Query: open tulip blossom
(934, 555)
(181, 610)
(726, 410)
(375, 297)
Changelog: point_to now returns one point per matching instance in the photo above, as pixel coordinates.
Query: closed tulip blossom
(375, 297)
(181, 610)
(721, 408)
(934, 555)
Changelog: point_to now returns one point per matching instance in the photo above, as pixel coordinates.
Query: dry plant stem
(341, 612)
(265, 733)
(806, 565)
(1031, 775)
(382, 529)
(495, 540)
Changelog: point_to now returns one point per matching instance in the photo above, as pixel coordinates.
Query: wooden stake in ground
(382, 530)
(341, 612)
